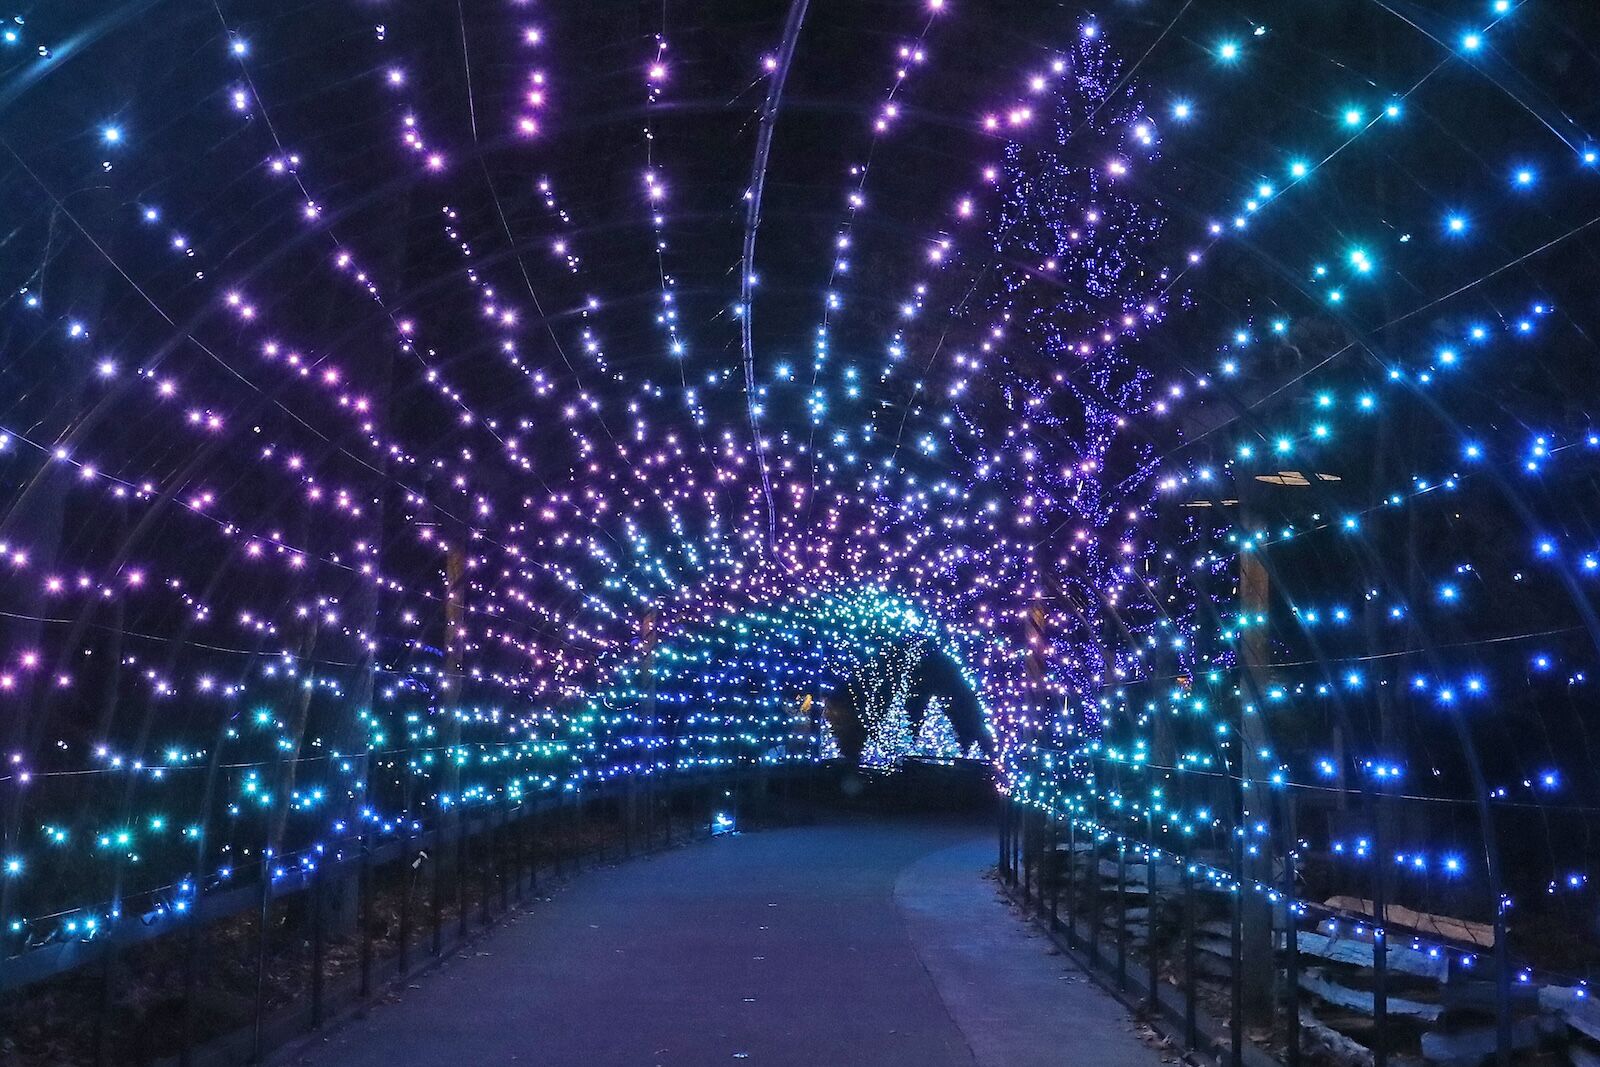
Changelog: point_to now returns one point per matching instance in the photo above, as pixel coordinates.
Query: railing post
(577, 831)
(461, 874)
(670, 794)
(649, 827)
(1191, 1028)
(1291, 944)
(436, 891)
(1152, 976)
(408, 867)
(1072, 880)
(520, 848)
(1236, 956)
(533, 847)
(108, 979)
(262, 918)
(630, 806)
(1380, 938)
(1024, 847)
(1054, 852)
(1000, 825)
(191, 978)
(1018, 860)
(318, 947)
(1502, 982)
(365, 889)
(1094, 879)
(501, 859)
(485, 865)
(1122, 913)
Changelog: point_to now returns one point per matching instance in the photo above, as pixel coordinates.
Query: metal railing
(248, 968)
(1166, 931)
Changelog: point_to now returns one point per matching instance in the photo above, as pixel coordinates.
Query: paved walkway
(859, 943)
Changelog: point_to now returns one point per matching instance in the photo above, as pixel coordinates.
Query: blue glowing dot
(1525, 177)
(111, 135)
(1455, 224)
(1182, 110)
(1471, 42)
(1228, 51)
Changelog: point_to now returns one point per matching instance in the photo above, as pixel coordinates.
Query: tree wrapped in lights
(1078, 241)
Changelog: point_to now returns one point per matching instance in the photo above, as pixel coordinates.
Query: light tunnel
(426, 427)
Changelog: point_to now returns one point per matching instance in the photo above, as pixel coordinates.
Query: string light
(376, 518)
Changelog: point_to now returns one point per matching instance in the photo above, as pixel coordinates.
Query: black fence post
(461, 875)
(578, 804)
(1052, 843)
(1380, 938)
(1094, 907)
(318, 947)
(364, 887)
(1236, 956)
(408, 868)
(1236, 1013)
(1072, 879)
(650, 798)
(630, 805)
(262, 918)
(1122, 913)
(1024, 848)
(533, 848)
(1019, 827)
(436, 891)
(500, 860)
(1000, 826)
(1191, 1027)
(191, 979)
(485, 865)
(1291, 942)
(1152, 976)
(108, 980)
(519, 849)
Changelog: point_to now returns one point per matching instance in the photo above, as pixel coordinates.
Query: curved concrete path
(869, 942)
